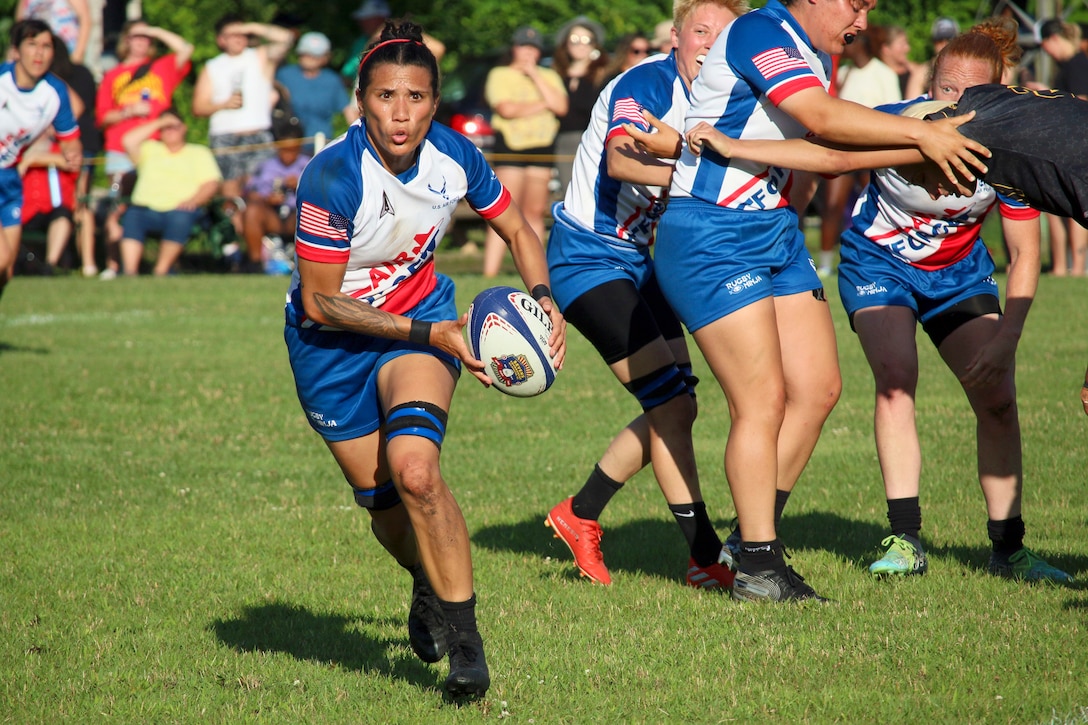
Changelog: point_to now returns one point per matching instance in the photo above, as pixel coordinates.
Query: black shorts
(620, 319)
(41, 221)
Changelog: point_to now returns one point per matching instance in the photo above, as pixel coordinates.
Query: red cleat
(583, 538)
(713, 576)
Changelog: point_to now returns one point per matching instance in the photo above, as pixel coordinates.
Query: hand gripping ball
(508, 330)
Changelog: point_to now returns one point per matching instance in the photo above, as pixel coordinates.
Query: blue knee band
(689, 379)
(417, 418)
(379, 498)
(658, 387)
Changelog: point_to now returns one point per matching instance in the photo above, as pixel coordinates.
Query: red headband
(384, 43)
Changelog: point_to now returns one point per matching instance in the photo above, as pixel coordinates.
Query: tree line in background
(472, 28)
(482, 28)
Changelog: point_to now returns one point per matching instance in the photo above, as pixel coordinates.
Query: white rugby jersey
(927, 233)
(594, 199)
(24, 113)
(386, 227)
(759, 60)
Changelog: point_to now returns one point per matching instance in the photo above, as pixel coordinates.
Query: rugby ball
(509, 332)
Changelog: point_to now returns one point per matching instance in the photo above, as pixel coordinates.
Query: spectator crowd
(271, 100)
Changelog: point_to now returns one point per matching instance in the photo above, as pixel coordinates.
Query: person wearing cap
(942, 31)
(1061, 41)
(580, 60)
(371, 17)
(526, 100)
(316, 93)
(663, 41)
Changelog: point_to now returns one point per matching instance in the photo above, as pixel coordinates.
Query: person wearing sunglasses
(580, 60)
(630, 50)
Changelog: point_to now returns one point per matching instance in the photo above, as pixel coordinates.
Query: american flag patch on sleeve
(322, 223)
(776, 61)
(628, 109)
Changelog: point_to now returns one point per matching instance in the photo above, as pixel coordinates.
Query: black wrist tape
(420, 333)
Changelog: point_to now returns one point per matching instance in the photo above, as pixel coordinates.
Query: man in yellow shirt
(175, 181)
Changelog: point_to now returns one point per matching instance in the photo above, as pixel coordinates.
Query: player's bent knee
(379, 498)
(659, 387)
(417, 418)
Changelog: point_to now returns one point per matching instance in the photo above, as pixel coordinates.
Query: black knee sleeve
(379, 498)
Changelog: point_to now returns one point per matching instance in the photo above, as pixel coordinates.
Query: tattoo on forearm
(346, 313)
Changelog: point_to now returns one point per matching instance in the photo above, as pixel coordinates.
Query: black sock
(761, 555)
(595, 495)
(703, 541)
(780, 499)
(905, 516)
(461, 616)
(1006, 536)
(418, 575)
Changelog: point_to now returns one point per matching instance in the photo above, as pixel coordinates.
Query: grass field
(180, 547)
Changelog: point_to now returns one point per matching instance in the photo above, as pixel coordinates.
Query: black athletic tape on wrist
(1085, 386)
(540, 292)
(420, 333)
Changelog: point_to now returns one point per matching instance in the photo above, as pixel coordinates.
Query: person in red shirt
(131, 94)
(49, 196)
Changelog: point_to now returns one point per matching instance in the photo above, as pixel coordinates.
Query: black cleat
(468, 676)
(428, 633)
(773, 586)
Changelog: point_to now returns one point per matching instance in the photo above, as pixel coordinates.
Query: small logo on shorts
(868, 290)
(746, 281)
(318, 419)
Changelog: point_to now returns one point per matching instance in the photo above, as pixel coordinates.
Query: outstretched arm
(800, 154)
(844, 122)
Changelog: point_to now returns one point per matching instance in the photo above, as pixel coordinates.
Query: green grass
(179, 546)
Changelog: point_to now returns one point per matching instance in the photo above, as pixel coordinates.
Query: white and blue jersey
(906, 249)
(24, 114)
(926, 233)
(386, 227)
(622, 210)
(603, 228)
(758, 61)
(729, 237)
